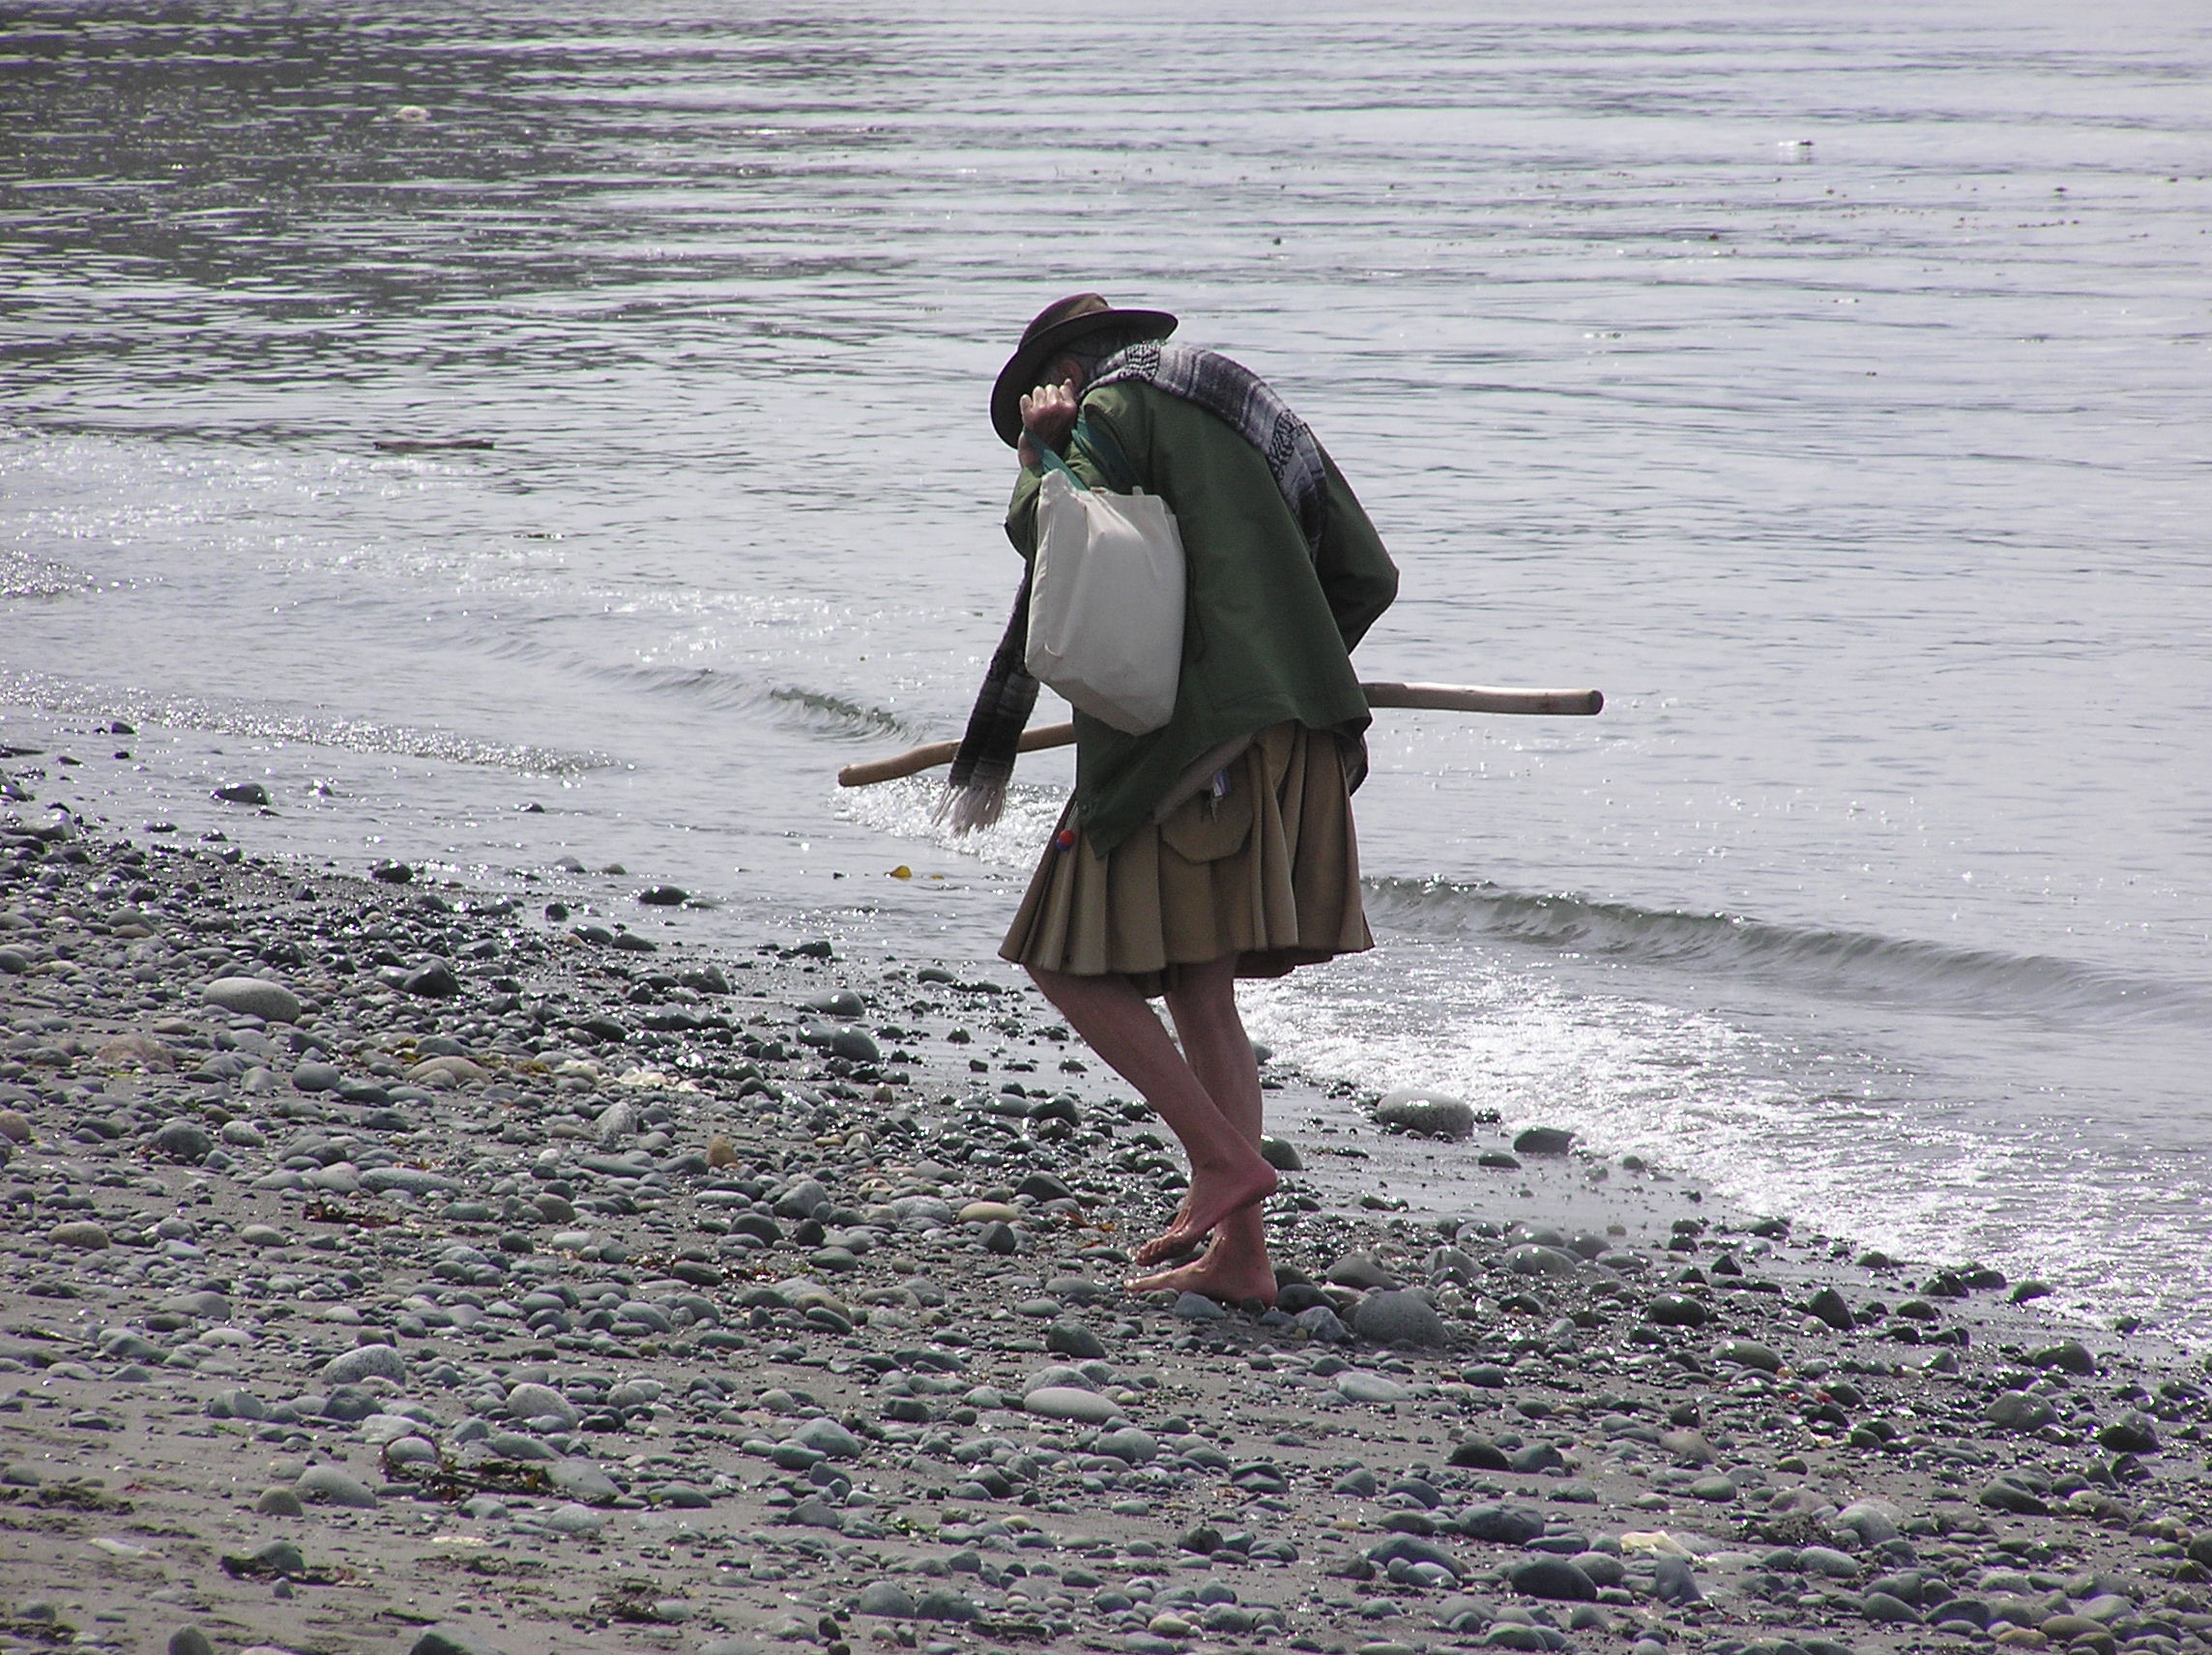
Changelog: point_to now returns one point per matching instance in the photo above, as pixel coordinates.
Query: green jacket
(1268, 627)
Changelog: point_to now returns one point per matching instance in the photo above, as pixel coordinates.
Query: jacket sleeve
(1357, 575)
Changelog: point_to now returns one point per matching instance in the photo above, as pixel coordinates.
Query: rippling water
(1830, 390)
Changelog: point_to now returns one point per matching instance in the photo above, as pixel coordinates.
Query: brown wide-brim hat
(1054, 327)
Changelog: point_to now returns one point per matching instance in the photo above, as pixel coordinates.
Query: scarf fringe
(972, 807)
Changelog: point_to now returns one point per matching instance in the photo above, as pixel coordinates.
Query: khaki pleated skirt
(1268, 871)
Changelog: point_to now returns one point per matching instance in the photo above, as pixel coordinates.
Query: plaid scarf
(976, 790)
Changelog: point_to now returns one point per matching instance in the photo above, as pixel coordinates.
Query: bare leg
(1235, 1267)
(1227, 1174)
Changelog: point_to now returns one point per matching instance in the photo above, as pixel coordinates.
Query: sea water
(1831, 389)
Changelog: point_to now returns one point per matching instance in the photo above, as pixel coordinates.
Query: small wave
(1856, 963)
(351, 735)
(24, 576)
(836, 714)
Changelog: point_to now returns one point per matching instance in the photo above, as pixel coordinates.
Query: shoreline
(482, 1290)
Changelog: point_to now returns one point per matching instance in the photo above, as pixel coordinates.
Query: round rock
(1554, 1577)
(886, 1599)
(1544, 1141)
(1066, 1401)
(1428, 1114)
(256, 996)
(1399, 1319)
(327, 1485)
(363, 1362)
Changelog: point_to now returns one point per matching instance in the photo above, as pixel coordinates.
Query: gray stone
(327, 1485)
(1429, 1114)
(433, 982)
(1399, 1319)
(414, 1180)
(1828, 1305)
(943, 1603)
(2070, 1356)
(514, 1445)
(1128, 1444)
(1360, 1270)
(1554, 1577)
(1069, 1338)
(1504, 1525)
(534, 1401)
(825, 1435)
(235, 1404)
(363, 1362)
(1749, 1353)
(1195, 1307)
(1414, 1548)
(1065, 1401)
(1320, 1323)
(885, 1598)
(411, 1451)
(184, 1141)
(2131, 1433)
(256, 996)
(278, 1502)
(1872, 1520)
(450, 1640)
(581, 1480)
(2019, 1410)
(189, 1641)
(1675, 1582)
(1533, 1259)
(1355, 1385)
(316, 1077)
(1281, 1156)
(2013, 1498)
(800, 1199)
(1676, 1309)
(569, 1517)
(1544, 1141)
(1828, 1561)
(1884, 1609)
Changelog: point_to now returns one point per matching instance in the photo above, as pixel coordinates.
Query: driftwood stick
(1434, 697)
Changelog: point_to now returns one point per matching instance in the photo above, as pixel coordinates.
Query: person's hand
(1048, 415)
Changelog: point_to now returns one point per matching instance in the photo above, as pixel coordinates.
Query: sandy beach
(391, 1267)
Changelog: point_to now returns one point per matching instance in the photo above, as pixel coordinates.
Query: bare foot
(1212, 1198)
(1216, 1277)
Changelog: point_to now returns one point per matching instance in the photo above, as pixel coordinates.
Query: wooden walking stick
(1432, 697)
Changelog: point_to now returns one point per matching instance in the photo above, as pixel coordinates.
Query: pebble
(256, 996)
(1555, 1577)
(1388, 1318)
(182, 1141)
(1357, 1385)
(327, 1485)
(363, 1362)
(1362, 1271)
(886, 1599)
(1427, 1114)
(80, 1234)
(1543, 1141)
(2021, 1412)
(1065, 1401)
(1069, 1338)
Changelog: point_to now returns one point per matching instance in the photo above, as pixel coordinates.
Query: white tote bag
(1106, 601)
